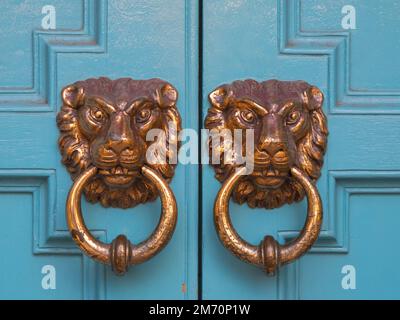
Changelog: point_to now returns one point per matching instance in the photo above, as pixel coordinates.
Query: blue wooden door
(47, 45)
(349, 49)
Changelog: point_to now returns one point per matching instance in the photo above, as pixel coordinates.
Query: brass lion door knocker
(103, 125)
(290, 138)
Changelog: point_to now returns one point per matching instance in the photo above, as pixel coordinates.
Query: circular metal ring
(269, 254)
(121, 253)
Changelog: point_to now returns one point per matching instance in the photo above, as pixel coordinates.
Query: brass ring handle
(269, 254)
(121, 252)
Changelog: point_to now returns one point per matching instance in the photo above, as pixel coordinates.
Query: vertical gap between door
(200, 167)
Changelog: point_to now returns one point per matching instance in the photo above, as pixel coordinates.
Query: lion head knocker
(290, 138)
(104, 124)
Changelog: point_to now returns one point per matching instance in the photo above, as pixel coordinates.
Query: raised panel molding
(334, 232)
(335, 239)
(335, 45)
(42, 97)
(47, 238)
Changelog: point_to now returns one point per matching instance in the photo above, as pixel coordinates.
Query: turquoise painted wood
(358, 71)
(92, 38)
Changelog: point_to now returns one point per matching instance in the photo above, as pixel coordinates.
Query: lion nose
(120, 146)
(274, 150)
(273, 139)
(120, 136)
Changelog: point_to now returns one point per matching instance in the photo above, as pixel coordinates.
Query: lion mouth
(269, 179)
(119, 176)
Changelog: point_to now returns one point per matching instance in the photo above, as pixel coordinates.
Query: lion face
(289, 130)
(104, 123)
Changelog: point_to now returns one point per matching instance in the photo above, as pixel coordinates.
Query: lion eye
(293, 117)
(248, 116)
(143, 115)
(97, 115)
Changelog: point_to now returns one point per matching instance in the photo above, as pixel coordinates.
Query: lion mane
(310, 149)
(75, 146)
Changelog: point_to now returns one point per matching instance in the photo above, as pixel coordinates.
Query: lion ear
(313, 98)
(167, 96)
(73, 96)
(220, 97)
